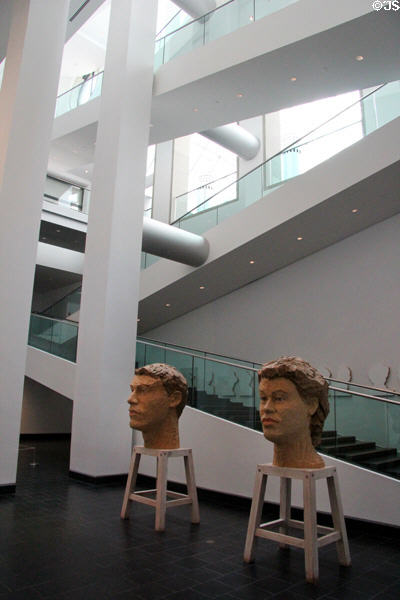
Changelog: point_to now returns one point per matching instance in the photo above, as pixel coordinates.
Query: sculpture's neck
(165, 437)
(298, 454)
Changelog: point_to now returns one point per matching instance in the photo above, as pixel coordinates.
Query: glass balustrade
(348, 127)
(80, 94)
(53, 336)
(225, 19)
(359, 429)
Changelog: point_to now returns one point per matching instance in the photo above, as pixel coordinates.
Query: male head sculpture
(159, 394)
(293, 407)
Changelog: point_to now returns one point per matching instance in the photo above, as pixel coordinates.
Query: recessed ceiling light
(138, 319)
(252, 262)
(196, 109)
(355, 210)
(293, 78)
(58, 230)
(86, 171)
(168, 305)
(359, 58)
(299, 238)
(202, 287)
(239, 95)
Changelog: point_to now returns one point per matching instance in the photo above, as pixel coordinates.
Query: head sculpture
(159, 394)
(293, 407)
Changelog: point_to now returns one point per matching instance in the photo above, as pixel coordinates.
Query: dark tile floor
(64, 539)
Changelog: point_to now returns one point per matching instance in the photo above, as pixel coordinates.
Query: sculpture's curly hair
(171, 379)
(309, 383)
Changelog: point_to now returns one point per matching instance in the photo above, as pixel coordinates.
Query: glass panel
(56, 337)
(393, 415)
(250, 187)
(267, 7)
(159, 54)
(228, 18)
(80, 94)
(199, 223)
(184, 40)
(140, 355)
(154, 355)
(361, 417)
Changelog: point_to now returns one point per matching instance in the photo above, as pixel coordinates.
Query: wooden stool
(160, 502)
(311, 542)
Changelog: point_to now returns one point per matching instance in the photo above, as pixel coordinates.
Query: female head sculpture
(159, 394)
(293, 407)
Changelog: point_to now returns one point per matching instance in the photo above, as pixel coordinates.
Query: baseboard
(44, 436)
(119, 479)
(7, 489)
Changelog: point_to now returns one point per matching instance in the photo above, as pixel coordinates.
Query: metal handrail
(224, 362)
(79, 84)
(367, 387)
(74, 323)
(352, 393)
(293, 144)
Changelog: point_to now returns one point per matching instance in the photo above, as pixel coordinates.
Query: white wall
(338, 306)
(44, 411)
(226, 455)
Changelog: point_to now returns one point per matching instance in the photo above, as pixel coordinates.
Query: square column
(101, 435)
(27, 102)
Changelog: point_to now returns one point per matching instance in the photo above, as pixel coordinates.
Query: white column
(27, 102)
(101, 435)
(162, 187)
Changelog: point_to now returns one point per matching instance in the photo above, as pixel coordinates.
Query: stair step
(348, 447)
(382, 462)
(334, 440)
(360, 455)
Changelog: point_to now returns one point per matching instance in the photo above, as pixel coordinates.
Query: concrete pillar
(27, 102)
(101, 436)
(162, 186)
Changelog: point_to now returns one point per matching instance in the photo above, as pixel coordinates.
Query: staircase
(365, 454)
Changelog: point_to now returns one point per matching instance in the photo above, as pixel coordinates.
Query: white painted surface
(36, 37)
(44, 411)
(226, 456)
(107, 329)
(52, 371)
(337, 305)
(56, 257)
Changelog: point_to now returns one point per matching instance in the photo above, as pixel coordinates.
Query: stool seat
(310, 542)
(161, 503)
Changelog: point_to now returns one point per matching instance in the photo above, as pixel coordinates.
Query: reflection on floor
(64, 539)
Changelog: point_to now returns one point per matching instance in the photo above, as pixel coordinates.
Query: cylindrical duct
(196, 8)
(235, 138)
(173, 243)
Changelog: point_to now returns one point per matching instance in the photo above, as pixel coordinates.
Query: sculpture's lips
(134, 412)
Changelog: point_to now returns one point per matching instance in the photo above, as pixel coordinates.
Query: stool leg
(255, 514)
(342, 546)
(285, 504)
(310, 529)
(161, 492)
(191, 486)
(131, 483)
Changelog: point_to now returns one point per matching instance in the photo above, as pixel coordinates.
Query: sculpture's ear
(312, 406)
(175, 399)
